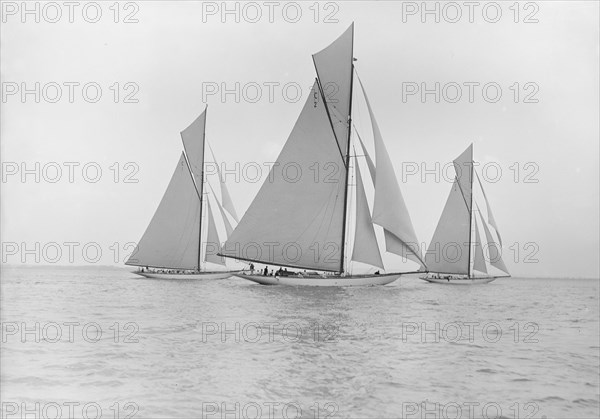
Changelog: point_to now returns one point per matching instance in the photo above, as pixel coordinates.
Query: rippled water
(515, 347)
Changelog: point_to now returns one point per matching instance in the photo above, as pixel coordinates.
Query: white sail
(334, 70)
(491, 219)
(172, 237)
(296, 220)
(226, 222)
(389, 210)
(463, 165)
(494, 251)
(370, 163)
(365, 249)
(225, 197)
(448, 251)
(193, 144)
(478, 258)
(213, 244)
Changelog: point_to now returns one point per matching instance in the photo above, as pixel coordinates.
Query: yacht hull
(200, 275)
(330, 281)
(459, 281)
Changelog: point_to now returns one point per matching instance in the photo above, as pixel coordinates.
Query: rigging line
(189, 167)
(217, 166)
(483, 191)
(361, 143)
(221, 209)
(337, 143)
(462, 193)
(339, 116)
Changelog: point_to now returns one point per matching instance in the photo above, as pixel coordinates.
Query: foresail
(193, 144)
(448, 251)
(389, 210)
(296, 217)
(478, 258)
(334, 70)
(491, 219)
(172, 237)
(494, 251)
(365, 249)
(370, 163)
(396, 246)
(226, 222)
(213, 244)
(226, 200)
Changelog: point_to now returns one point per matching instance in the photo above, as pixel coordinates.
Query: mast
(470, 215)
(201, 190)
(343, 250)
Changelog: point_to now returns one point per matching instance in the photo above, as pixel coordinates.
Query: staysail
(172, 237)
(365, 249)
(296, 219)
(478, 258)
(226, 223)
(494, 251)
(213, 245)
(370, 163)
(491, 219)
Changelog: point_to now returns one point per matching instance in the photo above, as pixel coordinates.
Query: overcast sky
(547, 193)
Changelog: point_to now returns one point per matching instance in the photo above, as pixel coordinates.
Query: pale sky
(174, 50)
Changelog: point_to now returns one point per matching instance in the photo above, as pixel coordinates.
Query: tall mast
(470, 215)
(342, 253)
(201, 190)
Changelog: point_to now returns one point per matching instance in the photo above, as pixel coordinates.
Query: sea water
(81, 342)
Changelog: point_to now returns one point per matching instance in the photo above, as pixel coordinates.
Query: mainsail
(296, 219)
(172, 237)
(448, 251)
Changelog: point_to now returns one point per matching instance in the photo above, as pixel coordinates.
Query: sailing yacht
(299, 218)
(456, 255)
(172, 246)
